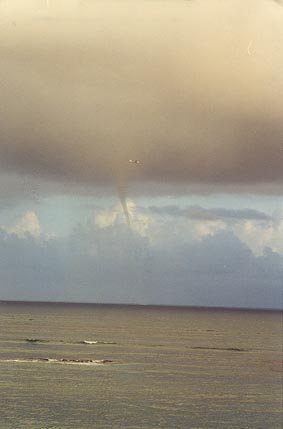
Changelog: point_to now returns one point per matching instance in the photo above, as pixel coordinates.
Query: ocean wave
(96, 342)
(61, 361)
(89, 342)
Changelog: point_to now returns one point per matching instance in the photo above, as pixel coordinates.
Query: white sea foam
(97, 342)
(60, 361)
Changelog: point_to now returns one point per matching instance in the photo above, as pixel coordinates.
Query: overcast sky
(194, 90)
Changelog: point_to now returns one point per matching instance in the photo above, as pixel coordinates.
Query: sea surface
(171, 367)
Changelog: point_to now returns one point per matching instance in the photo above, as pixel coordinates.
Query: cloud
(27, 224)
(200, 213)
(158, 230)
(31, 267)
(258, 236)
(254, 228)
(158, 261)
(139, 222)
(91, 266)
(98, 83)
(163, 225)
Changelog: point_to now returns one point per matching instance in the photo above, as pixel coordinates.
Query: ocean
(83, 366)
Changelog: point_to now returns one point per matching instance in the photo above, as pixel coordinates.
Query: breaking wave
(60, 361)
(96, 342)
(90, 342)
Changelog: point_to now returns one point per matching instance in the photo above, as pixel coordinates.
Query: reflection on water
(170, 367)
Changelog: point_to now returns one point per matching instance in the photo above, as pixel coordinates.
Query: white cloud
(167, 232)
(164, 232)
(27, 224)
(259, 235)
(107, 218)
(139, 222)
(116, 265)
(208, 227)
(256, 229)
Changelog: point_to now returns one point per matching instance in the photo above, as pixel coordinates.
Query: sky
(194, 91)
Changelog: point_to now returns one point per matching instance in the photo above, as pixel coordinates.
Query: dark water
(172, 367)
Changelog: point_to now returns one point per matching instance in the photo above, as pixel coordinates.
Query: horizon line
(209, 307)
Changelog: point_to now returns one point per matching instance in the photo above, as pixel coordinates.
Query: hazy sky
(194, 90)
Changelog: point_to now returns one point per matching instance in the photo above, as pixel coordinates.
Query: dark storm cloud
(90, 266)
(193, 89)
(200, 213)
